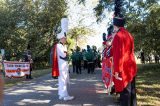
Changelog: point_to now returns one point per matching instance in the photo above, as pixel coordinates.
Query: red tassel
(55, 70)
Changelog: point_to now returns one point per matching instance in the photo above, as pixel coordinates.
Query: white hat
(64, 24)
(64, 27)
(61, 35)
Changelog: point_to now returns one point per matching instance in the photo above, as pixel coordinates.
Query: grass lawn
(148, 85)
(35, 73)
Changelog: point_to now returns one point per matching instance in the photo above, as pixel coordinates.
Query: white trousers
(63, 81)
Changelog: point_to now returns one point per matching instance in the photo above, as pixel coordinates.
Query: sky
(86, 16)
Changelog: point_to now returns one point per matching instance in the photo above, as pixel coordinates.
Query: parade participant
(99, 59)
(60, 66)
(124, 63)
(84, 59)
(28, 58)
(104, 56)
(78, 58)
(73, 60)
(31, 66)
(142, 56)
(95, 53)
(89, 57)
(104, 60)
(63, 78)
(107, 63)
(108, 69)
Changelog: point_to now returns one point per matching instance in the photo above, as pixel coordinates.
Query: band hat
(117, 21)
(104, 37)
(64, 27)
(64, 24)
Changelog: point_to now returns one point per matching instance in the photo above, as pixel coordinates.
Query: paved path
(88, 90)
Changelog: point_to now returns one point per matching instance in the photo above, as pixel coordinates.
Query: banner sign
(16, 69)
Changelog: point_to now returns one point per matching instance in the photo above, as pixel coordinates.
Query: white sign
(16, 69)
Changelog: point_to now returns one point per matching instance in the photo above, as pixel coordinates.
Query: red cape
(55, 70)
(123, 57)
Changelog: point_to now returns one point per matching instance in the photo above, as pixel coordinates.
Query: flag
(55, 70)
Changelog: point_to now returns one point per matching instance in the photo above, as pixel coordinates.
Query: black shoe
(117, 100)
(113, 90)
(54, 77)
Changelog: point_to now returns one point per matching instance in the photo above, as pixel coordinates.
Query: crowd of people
(88, 59)
(148, 58)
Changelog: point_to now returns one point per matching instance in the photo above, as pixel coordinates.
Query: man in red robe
(124, 63)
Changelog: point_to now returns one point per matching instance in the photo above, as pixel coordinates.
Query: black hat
(104, 37)
(118, 21)
(110, 29)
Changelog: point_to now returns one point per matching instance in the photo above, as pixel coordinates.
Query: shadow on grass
(148, 83)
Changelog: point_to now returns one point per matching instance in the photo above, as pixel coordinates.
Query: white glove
(117, 76)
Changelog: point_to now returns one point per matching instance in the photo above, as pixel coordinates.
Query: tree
(30, 22)
(139, 15)
(78, 36)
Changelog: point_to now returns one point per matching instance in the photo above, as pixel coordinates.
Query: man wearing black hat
(78, 59)
(89, 57)
(124, 63)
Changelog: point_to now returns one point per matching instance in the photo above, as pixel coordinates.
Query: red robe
(123, 58)
(55, 70)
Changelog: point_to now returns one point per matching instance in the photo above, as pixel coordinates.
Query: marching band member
(124, 63)
(63, 78)
(60, 66)
(107, 63)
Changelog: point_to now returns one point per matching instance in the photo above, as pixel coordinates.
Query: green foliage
(33, 22)
(142, 20)
(78, 36)
(79, 32)
(146, 29)
(101, 7)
